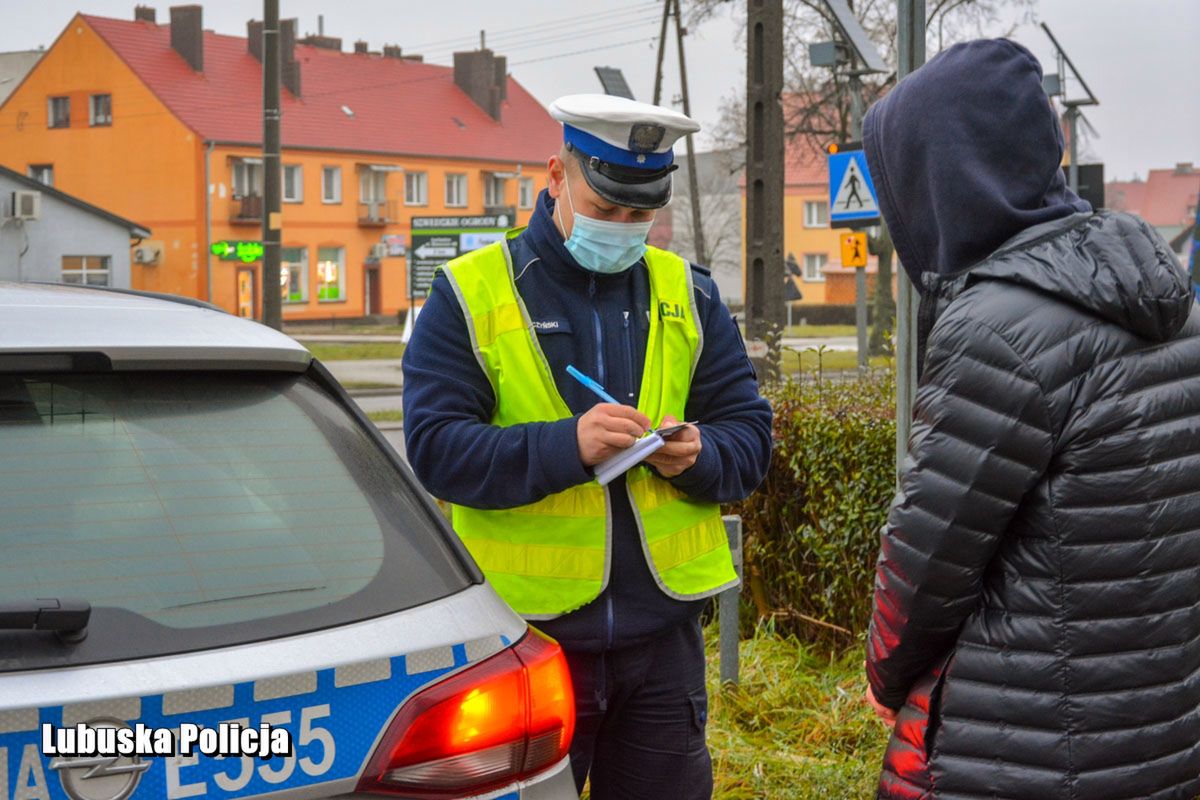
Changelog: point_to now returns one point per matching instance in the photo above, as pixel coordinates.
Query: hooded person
(1036, 624)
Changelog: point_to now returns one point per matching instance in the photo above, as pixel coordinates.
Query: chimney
(360, 47)
(254, 30)
(1184, 168)
(187, 35)
(145, 14)
(483, 76)
(289, 68)
(324, 42)
(392, 51)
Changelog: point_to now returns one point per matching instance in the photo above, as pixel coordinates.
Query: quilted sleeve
(981, 440)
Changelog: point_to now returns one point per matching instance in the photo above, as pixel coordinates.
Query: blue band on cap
(592, 146)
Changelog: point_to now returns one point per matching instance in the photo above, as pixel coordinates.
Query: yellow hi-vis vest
(553, 556)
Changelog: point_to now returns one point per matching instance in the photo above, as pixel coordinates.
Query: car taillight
(497, 722)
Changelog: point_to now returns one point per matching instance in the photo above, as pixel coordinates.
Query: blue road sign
(852, 199)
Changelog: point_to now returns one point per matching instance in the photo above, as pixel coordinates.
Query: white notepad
(608, 469)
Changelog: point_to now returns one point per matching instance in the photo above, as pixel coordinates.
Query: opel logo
(100, 777)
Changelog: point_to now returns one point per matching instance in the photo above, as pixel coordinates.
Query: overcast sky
(1140, 57)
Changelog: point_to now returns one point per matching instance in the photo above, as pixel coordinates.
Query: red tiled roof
(1162, 199)
(804, 163)
(401, 107)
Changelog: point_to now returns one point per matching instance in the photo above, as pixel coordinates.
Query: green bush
(812, 530)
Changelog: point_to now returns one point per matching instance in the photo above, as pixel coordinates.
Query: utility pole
(271, 224)
(764, 184)
(662, 50)
(701, 252)
(910, 46)
(860, 273)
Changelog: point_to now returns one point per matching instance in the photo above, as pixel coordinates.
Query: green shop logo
(246, 252)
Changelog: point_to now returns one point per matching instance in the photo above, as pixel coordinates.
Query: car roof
(139, 330)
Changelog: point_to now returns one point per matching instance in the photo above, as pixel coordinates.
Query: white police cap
(624, 147)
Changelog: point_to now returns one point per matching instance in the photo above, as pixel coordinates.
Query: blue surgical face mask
(602, 246)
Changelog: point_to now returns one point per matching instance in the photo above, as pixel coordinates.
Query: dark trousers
(641, 717)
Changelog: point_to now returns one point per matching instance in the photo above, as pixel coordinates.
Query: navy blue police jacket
(599, 323)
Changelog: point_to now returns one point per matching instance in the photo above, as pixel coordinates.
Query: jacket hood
(1111, 264)
(966, 153)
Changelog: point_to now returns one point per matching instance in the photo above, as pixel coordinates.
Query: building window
(372, 186)
(814, 266)
(816, 214)
(42, 173)
(493, 190)
(331, 184)
(331, 274)
(525, 193)
(416, 189)
(59, 113)
(85, 270)
(100, 110)
(293, 183)
(293, 276)
(456, 191)
(247, 178)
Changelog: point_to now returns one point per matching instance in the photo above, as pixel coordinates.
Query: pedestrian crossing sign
(852, 199)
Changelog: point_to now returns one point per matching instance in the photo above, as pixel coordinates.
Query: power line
(547, 24)
(643, 40)
(541, 41)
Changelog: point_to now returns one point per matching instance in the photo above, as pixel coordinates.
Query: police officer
(496, 426)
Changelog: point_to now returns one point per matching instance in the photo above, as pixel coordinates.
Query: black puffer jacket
(1038, 592)
(1037, 607)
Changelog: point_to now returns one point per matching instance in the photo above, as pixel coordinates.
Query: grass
(298, 330)
(820, 331)
(806, 360)
(391, 415)
(334, 351)
(796, 727)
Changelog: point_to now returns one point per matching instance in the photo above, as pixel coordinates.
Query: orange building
(163, 124)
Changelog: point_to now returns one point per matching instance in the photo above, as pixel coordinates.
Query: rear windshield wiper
(68, 617)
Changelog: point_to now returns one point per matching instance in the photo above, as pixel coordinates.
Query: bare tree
(817, 101)
(721, 209)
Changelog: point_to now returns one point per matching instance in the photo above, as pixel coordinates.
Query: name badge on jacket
(551, 326)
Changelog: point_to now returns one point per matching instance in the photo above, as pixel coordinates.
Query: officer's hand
(679, 452)
(607, 429)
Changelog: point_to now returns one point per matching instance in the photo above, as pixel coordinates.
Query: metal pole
(1073, 132)
(700, 251)
(727, 615)
(860, 273)
(910, 42)
(271, 234)
(764, 183)
(662, 50)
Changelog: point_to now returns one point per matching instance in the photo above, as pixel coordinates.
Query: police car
(201, 534)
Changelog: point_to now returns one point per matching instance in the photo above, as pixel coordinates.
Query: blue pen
(591, 384)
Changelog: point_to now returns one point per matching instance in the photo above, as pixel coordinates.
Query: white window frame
(86, 270)
(456, 190)
(816, 214)
(331, 178)
(50, 116)
(525, 193)
(494, 190)
(95, 117)
(298, 196)
(814, 267)
(250, 180)
(341, 275)
(416, 188)
(39, 172)
(372, 186)
(285, 267)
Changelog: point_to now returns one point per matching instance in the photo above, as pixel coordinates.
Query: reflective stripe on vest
(553, 556)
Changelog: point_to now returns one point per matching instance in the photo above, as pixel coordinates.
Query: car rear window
(206, 502)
